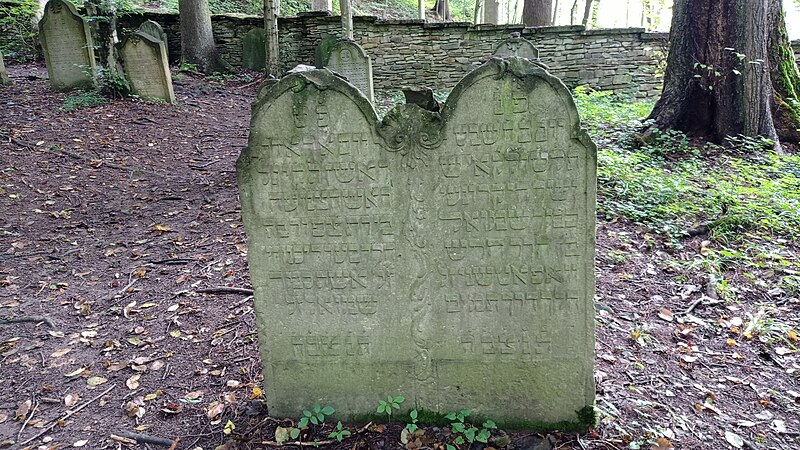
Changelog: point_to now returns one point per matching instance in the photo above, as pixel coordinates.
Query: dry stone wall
(437, 55)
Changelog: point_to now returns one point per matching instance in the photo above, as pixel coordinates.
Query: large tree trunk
(197, 38)
(587, 12)
(537, 13)
(271, 8)
(718, 81)
(104, 32)
(442, 9)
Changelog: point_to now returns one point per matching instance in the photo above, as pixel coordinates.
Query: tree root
(31, 319)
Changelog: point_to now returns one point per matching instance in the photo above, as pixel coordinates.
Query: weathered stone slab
(254, 50)
(147, 67)
(68, 47)
(517, 46)
(4, 80)
(447, 257)
(349, 60)
(154, 30)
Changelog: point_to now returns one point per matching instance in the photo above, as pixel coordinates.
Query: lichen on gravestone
(67, 45)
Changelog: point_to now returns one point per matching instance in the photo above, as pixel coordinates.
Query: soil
(120, 223)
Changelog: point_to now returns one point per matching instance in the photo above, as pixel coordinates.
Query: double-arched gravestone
(446, 257)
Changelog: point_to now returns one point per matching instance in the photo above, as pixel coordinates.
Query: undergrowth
(83, 99)
(743, 197)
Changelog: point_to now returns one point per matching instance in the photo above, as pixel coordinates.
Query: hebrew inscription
(447, 257)
(351, 61)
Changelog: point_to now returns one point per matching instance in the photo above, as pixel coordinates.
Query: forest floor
(121, 235)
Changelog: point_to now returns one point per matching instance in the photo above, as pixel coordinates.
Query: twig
(692, 306)
(147, 439)
(33, 411)
(225, 290)
(33, 319)
(200, 166)
(314, 443)
(128, 286)
(70, 413)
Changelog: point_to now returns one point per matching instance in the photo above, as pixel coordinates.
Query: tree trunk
(197, 38)
(103, 18)
(442, 9)
(587, 12)
(271, 37)
(719, 76)
(537, 13)
(555, 13)
(573, 12)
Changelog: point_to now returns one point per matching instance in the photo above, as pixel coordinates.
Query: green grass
(83, 99)
(671, 186)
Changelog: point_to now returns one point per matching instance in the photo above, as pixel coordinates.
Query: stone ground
(121, 228)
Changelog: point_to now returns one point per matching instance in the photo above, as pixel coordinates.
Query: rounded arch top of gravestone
(527, 73)
(154, 30)
(517, 46)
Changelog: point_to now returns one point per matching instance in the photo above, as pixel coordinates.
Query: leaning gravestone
(145, 60)
(154, 29)
(4, 80)
(254, 50)
(517, 46)
(349, 60)
(444, 257)
(67, 45)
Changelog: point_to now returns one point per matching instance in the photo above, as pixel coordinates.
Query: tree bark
(537, 13)
(197, 38)
(271, 37)
(719, 77)
(104, 32)
(442, 9)
(587, 12)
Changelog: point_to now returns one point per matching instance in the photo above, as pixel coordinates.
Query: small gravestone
(446, 257)
(349, 60)
(517, 46)
(254, 50)
(68, 47)
(4, 80)
(145, 60)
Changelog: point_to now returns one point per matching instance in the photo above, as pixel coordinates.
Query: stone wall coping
(654, 36)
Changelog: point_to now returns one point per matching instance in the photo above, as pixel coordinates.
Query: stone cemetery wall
(444, 257)
(67, 45)
(437, 55)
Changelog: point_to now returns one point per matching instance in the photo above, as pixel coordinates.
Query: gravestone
(145, 60)
(154, 30)
(349, 60)
(68, 47)
(254, 50)
(517, 46)
(446, 257)
(4, 80)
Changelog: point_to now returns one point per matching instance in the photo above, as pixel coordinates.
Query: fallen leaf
(96, 381)
(734, 439)
(161, 228)
(194, 395)
(281, 435)
(23, 410)
(80, 443)
(215, 409)
(662, 443)
(783, 350)
(233, 383)
(71, 399)
(133, 382)
(666, 314)
(60, 353)
(257, 393)
(778, 425)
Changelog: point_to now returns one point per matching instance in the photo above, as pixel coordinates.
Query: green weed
(82, 99)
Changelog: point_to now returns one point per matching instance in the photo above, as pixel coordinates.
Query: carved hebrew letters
(448, 257)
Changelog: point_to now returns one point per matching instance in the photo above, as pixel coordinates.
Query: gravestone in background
(67, 45)
(517, 46)
(444, 257)
(4, 80)
(254, 50)
(154, 30)
(145, 60)
(349, 60)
